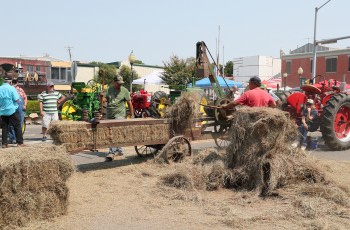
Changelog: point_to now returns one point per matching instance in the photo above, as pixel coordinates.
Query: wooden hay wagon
(148, 135)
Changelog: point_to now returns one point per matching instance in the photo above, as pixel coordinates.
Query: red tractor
(333, 104)
(141, 102)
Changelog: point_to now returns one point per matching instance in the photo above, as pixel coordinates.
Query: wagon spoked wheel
(145, 150)
(222, 139)
(176, 149)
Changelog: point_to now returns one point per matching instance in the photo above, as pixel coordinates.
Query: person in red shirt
(254, 97)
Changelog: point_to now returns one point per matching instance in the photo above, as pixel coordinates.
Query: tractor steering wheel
(93, 85)
(320, 76)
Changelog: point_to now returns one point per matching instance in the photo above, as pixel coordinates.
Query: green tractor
(85, 103)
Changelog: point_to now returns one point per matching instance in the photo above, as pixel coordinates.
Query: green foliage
(125, 72)
(109, 72)
(229, 69)
(33, 106)
(179, 71)
(106, 71)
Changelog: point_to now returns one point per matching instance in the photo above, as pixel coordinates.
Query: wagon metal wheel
(220, 114)
(176, 149)
(222, 138)
(146, 150)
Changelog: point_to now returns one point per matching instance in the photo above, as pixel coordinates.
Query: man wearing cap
(309, 122)
(48, 106)
(254, 97)
(9, 113)
(116, 97)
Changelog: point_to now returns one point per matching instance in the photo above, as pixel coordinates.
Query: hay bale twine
(32, 184)
(260, 155)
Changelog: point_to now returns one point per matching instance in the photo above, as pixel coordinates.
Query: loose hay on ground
(261, 158)
(204, 172)
(32, 184)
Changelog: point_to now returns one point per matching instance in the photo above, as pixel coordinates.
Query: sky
(156, 30)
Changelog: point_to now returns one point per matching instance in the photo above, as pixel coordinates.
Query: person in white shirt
(235, 93)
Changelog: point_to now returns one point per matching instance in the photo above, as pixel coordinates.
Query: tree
(179, 71)
(108, 71)
(125, 72)
(229, 69)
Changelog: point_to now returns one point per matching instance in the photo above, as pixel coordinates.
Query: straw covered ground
(33, 184)
(258, 182)
(133, 194)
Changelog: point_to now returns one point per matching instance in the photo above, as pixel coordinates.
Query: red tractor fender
(311, 89)
(295, 100)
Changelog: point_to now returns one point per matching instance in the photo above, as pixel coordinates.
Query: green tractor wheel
(68, 111)
(158, 104)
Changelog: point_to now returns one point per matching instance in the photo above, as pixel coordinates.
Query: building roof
(42, 58)
(309, 47)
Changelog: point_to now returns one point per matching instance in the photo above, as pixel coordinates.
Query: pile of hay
(260, 155)
(33, 184)
(182, 113)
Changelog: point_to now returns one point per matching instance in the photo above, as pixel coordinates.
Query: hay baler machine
(217, 117)
(333, 104)
(85, 103)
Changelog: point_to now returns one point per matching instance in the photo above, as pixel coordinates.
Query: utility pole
(315, 43)
(218, 56)
(69, 51)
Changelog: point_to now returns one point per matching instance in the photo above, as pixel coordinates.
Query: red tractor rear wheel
(335, 122)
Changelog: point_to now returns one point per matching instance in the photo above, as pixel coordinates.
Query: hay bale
(80, 135)
(182, 113)
(32, 184)
(260, 153)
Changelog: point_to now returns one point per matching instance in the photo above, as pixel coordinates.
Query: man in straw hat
(116, 97)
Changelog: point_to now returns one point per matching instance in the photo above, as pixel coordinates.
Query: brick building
(331, 64)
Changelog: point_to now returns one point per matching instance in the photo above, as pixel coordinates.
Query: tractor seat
(310, 89)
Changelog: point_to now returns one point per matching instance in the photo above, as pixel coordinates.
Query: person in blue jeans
(116, 97)
(9, 113)
(22, 104)
(309, 122)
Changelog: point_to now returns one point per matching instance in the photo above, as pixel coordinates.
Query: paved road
(87, 159)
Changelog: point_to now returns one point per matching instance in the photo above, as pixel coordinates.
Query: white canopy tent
(152, 82)
(152, 78)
